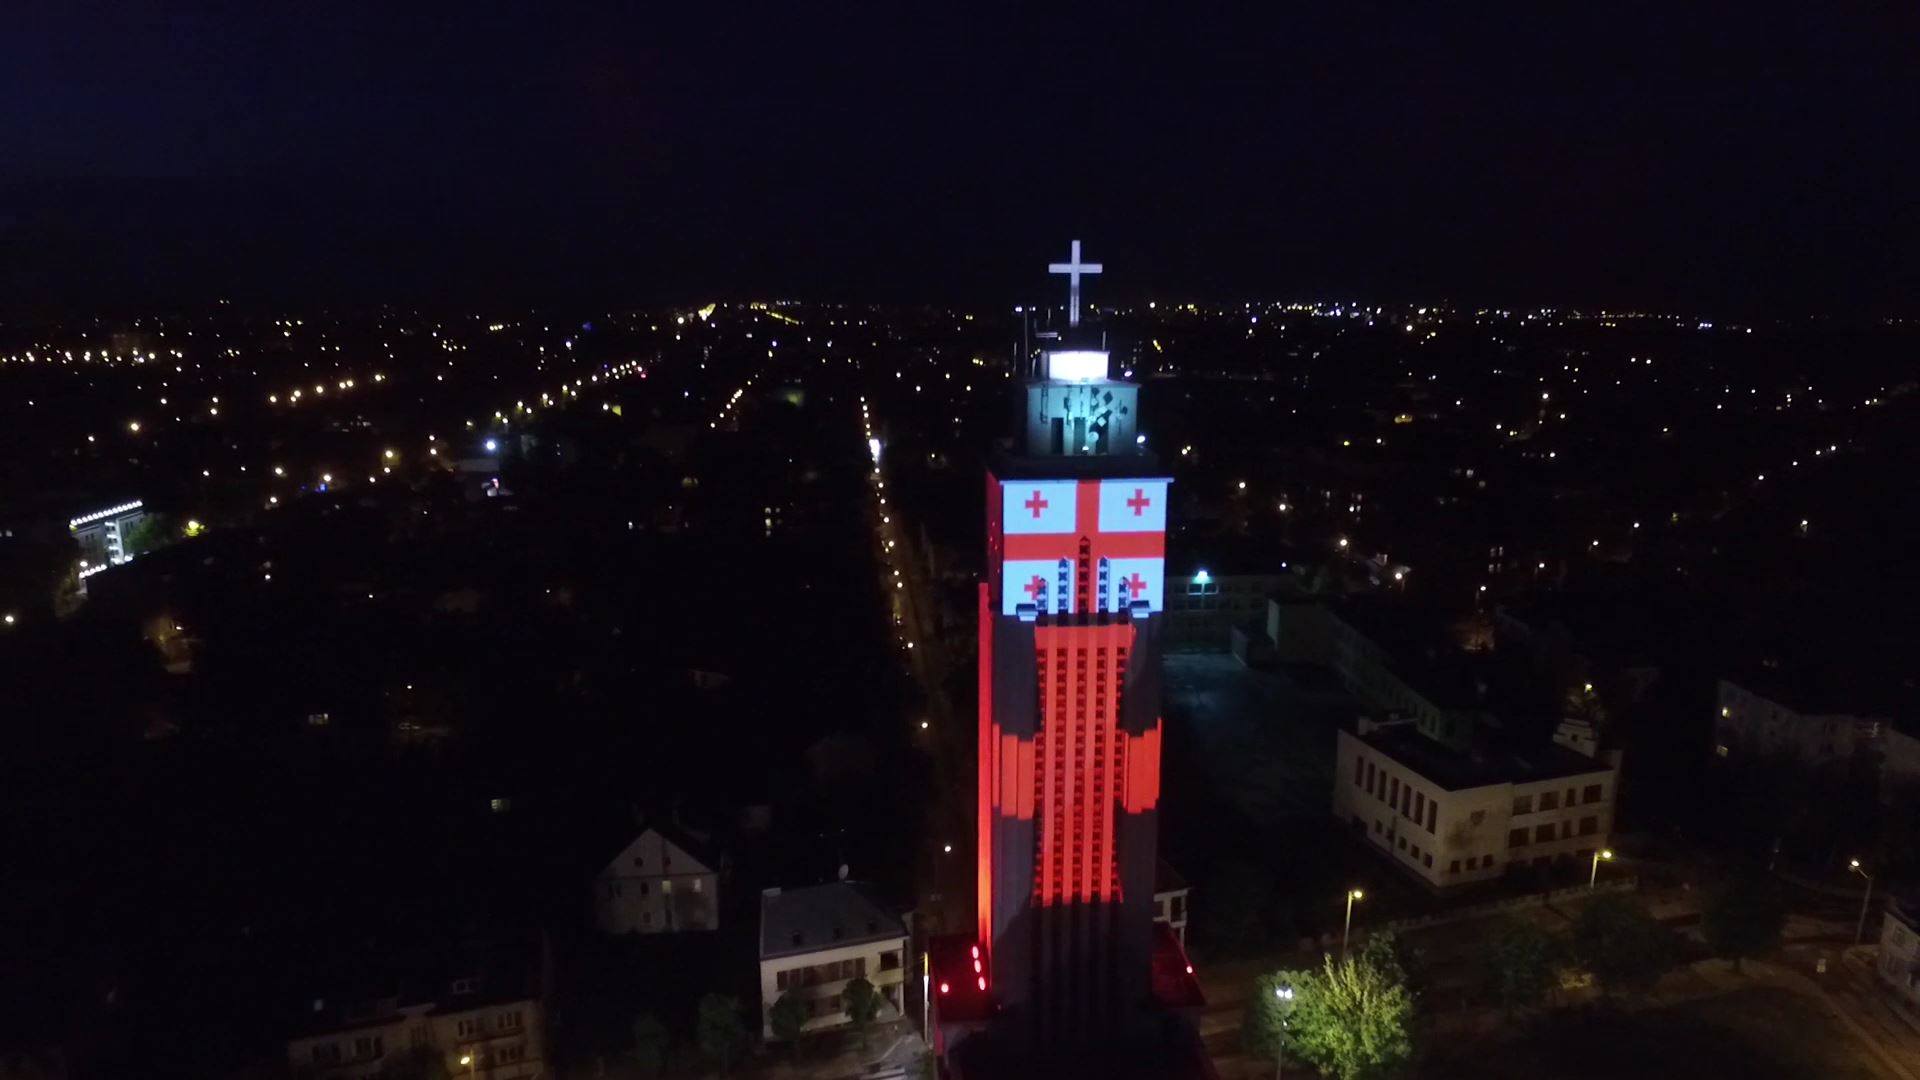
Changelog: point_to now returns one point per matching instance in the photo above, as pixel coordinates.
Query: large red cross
(1036, 504)
(1135, 586)
(1138, 503)
(1035, 587)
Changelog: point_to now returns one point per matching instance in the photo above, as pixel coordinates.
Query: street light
(1284, 995)
(1594, 874)
(1867, 897)
(472, 1065)
(1352, 895)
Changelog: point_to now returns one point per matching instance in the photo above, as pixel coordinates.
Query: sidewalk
(892, 1049)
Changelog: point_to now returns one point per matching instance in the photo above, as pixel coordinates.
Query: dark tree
(1405, 963)
(1625, 948)
(1744, 918)
(788, 1017)
(863, 1004)
(1521, 964)
(722, 1035)
(650, 1042)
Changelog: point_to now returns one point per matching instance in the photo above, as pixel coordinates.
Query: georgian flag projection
(1133, 506)
(1044, 583)
(1038, 506)
(1138, 579)
(1043, 522)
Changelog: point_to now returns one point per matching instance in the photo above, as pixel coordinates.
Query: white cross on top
(1073, 268)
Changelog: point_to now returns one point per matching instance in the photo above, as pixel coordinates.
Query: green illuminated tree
(151, 532)
(1352, 1019)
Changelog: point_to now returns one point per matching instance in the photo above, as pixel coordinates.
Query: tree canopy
(1744, 918)
(1521, 963)
(722, 1035)
(1625, 948)
(1352, 1019)
(650, 1040)
(863, 1004)
(787, 1016)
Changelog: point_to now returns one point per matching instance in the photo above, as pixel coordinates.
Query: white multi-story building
(1899, 959)
(813, 941)
(1203, 607)
(1748, 721)
(477, 1024)
(1450, 817)
(654, 886)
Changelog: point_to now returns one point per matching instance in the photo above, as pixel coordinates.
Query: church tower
(1070, 726)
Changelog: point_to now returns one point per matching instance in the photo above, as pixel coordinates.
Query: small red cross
(1036, 504)
(1139, 501)
(1135, 586)
(1035, 587)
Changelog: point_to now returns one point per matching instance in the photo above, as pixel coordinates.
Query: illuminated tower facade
(1070, 727)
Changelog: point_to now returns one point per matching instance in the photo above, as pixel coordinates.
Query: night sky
(1728, 157)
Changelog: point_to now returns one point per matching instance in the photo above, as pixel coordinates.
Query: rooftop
(1489, 761)
(794, 921)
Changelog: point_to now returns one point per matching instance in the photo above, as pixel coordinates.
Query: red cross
(1139, 501)
(1035, 587)
(1036, 504)
(1135, 586)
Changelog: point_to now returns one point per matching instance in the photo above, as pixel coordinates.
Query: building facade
(103, 534)
(1748, 721)
(814, 941)
(1898, 962)
(655, 885)
(1204, 607)
(1451, 819)
(474, 1027)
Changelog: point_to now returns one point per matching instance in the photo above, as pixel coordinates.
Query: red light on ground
(944, 988)
(1189, 969)
(982, 980)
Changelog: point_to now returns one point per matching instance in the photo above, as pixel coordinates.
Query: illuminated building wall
(1070, 729)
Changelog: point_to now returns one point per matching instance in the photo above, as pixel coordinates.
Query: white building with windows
(477, 1023)
(655, 885)
(1899, 958)
(813, 941)
(1450, 817)
(1204, 607)
(1768, 714)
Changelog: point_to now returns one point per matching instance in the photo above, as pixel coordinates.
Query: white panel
(1077, 365)
(1151, 575)
(1037, 506)
(1016, 585)
(1133, 506)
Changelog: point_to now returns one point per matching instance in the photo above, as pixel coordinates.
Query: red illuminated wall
(1079, 760)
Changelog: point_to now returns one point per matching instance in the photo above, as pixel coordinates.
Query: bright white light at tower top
(1077, 365)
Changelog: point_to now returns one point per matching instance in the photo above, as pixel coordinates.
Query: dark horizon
(1729, 162)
